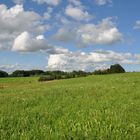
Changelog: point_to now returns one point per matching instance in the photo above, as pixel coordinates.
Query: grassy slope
(95, 107)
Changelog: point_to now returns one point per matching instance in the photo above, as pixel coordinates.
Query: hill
(103, 107)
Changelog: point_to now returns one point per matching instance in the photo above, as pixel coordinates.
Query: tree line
(52, 75)
(55, 74)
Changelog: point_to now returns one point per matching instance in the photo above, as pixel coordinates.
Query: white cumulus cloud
(77, 13)
(103, 33)
(103, 2)
(27, 43)
(86, 61)
(49, 2)
(15, 20)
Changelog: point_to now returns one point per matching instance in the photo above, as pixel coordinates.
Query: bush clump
(46, 78)
(56, 75)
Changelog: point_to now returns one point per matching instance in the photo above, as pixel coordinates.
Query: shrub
(57, 76)
(63, 76)
(46, 78)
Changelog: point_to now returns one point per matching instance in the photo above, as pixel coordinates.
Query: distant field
(95, 107)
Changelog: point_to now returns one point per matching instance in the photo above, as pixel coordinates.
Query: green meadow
(101, 107)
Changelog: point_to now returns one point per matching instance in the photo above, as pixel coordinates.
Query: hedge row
(57, 77)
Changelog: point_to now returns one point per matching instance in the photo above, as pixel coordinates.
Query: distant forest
(52, 75)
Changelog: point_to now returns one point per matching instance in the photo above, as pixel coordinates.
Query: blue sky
(69, 34)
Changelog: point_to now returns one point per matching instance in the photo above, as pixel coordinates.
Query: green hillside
(105, 107)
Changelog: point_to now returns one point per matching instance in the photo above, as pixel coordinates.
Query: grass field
(95, 107)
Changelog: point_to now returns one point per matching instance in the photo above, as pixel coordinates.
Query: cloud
(25, 42)
(15, 20)
(75, 2)
(103, 2)
(137, 59)
(9, 67)
(66, 34)
(103, 33)
(137, 25)
(77, 13)
(57, 50)
(86, 61)
(47, 15)
(49, 2)
(12, 67)
(65, 60)
(18, 1)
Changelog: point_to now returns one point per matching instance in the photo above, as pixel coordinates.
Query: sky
(69, 34)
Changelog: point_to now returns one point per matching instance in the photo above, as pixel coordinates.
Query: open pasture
(104, 107)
